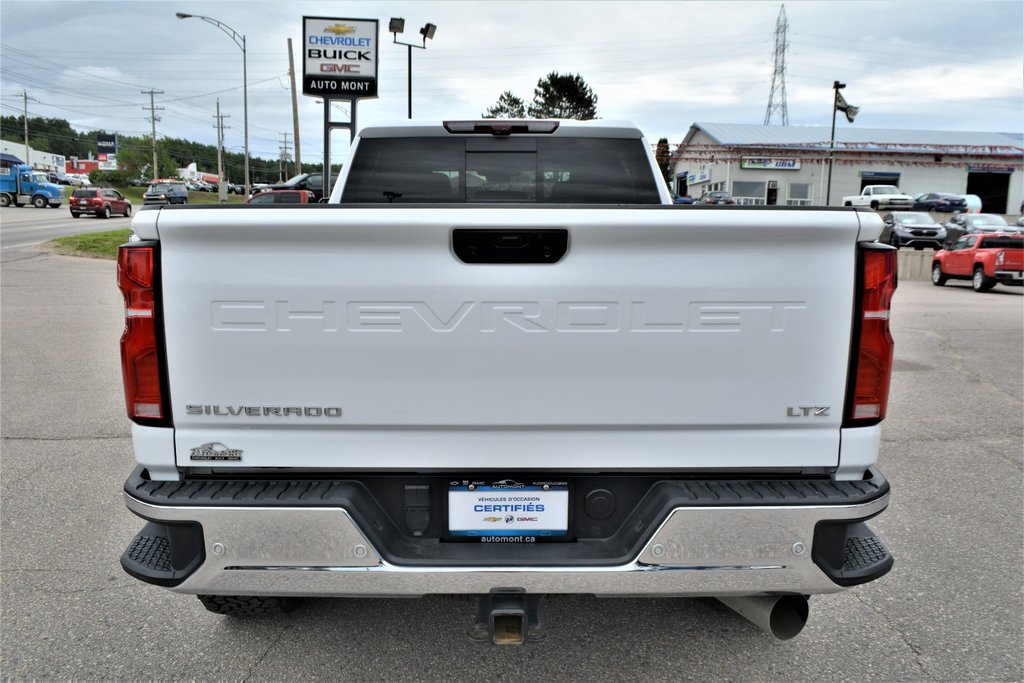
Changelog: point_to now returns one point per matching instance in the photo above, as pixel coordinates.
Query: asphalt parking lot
(951, 610)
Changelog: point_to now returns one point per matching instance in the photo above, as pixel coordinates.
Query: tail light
(141, 352)
(1000, 258)
(871, 361)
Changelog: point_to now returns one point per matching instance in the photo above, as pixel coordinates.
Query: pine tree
(508, 107)
(563, 96)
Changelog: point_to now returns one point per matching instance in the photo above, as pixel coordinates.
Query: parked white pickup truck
(880, 197)
(500, 362)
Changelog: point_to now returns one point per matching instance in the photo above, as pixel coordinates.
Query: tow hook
(508, 616)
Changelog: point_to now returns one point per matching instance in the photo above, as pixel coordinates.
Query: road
(951, 610)
(28, 226)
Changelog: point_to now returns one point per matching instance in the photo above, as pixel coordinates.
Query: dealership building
(789, 165)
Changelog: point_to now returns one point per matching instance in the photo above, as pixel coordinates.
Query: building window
(799, 194)
(745, 192)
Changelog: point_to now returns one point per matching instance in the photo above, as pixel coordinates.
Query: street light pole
(239, 40)
(396, 26)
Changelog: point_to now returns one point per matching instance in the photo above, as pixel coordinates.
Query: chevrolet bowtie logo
(339, 29)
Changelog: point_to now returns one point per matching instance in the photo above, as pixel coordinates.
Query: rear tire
(75, 214)
(105, 213)
(247, 605)
(938, 279)
(5, 200)
(982, 282)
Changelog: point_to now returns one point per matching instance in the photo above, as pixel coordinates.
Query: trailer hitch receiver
(508, 616)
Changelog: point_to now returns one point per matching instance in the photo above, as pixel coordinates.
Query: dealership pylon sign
(339, 57)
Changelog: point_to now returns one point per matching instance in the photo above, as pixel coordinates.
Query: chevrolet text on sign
(339, 57)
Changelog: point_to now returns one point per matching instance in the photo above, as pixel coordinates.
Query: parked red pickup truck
(983, 259)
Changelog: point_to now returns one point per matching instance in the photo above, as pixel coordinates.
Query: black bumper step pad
(850, 554)
(164, 554)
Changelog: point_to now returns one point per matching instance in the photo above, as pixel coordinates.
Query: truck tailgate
(349, 337)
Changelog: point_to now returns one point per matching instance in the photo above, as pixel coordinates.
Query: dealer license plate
(508, 510)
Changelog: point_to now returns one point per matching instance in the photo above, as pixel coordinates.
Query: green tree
(509, 106)
(135, 157)
(563, 96)
(664, 159)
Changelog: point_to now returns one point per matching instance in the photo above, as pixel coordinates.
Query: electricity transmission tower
(777, 96)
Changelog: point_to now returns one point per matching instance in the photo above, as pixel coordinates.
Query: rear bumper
(323, 538)
(1010, 277)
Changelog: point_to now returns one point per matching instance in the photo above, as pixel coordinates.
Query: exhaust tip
(789, 616)
(783, 616)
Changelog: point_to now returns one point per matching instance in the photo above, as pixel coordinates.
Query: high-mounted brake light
(141, 357)
(500, 128)
(871, 363)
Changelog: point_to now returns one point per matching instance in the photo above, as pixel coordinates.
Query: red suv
(282, 197)
(99, 201)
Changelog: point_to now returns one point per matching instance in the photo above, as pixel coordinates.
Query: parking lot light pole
(239, 40)
(836, 87)
(396, 26)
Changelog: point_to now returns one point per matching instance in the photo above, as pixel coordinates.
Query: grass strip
(91, 244)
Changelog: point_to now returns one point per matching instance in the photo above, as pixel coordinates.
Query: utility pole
(153, 109)
(295, 109)
(24, 94)
(777, 95)
(282, 162)
(222, 194)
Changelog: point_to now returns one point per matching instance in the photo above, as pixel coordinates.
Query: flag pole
(836, 87)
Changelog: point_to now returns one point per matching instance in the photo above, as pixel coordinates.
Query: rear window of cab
(1001, 243)
(529, 170)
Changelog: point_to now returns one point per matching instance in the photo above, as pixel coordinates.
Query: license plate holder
(511, 510)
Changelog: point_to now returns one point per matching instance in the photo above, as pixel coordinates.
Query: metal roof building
(789, 164)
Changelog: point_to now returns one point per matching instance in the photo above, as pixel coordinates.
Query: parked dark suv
(166, 193)
(314, 182)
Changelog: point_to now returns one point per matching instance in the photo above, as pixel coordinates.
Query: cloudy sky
(913, 65)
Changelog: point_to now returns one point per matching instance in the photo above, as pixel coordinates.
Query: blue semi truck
(20, 185)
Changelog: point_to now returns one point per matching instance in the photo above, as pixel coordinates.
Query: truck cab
(20, 185)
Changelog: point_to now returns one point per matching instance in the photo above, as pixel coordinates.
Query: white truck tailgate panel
(354, 338)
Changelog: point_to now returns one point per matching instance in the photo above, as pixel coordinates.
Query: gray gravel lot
(951, 610)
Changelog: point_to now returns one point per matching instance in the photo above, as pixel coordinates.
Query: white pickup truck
(500, 362)
(880, 197)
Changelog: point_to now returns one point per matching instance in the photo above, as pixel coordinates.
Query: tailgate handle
(487, 245)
